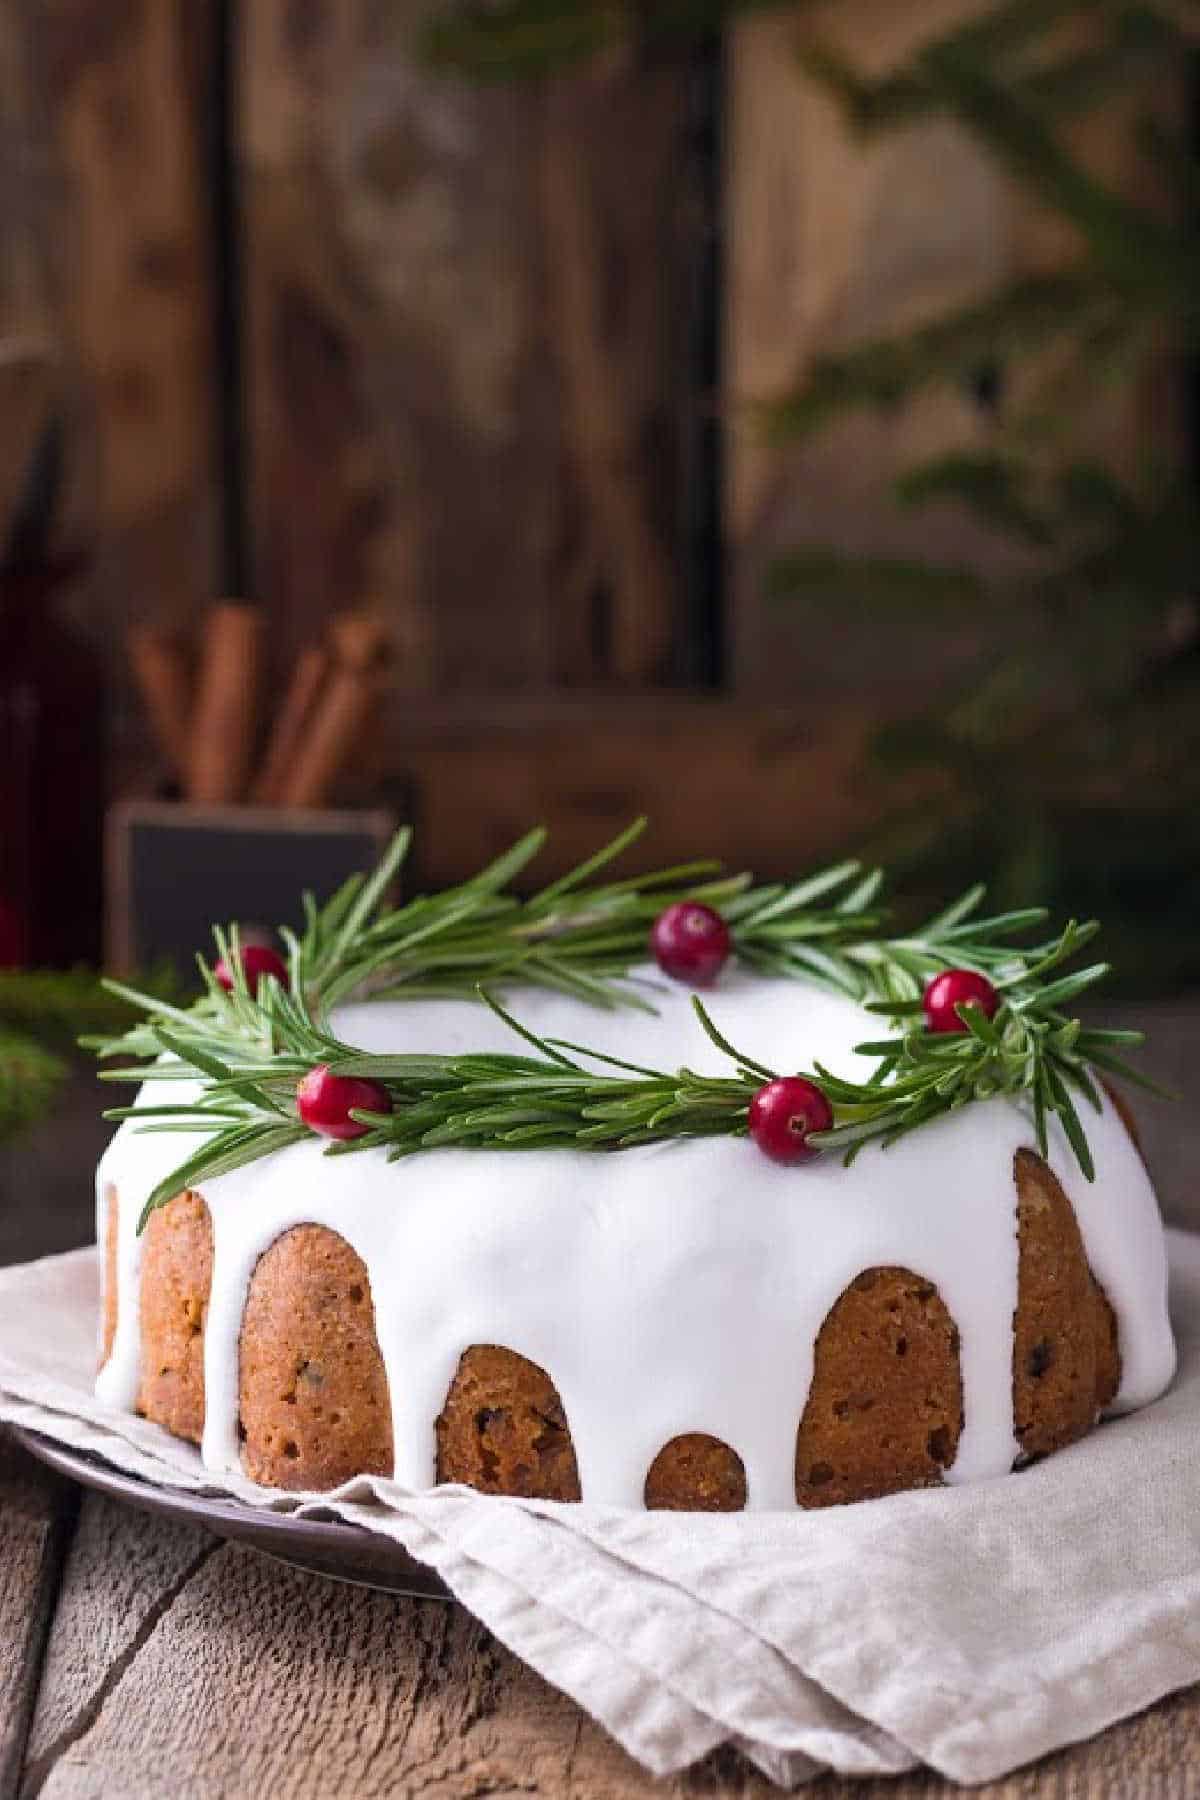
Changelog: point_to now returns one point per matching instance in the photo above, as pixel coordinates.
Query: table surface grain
(143, 1659)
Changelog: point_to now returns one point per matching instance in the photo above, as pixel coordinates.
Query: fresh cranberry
(953, 988)
(325, 1102)
(784, 1112)
(257, 960)
(691, 942)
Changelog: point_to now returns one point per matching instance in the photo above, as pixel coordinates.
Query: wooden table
(140, 1659)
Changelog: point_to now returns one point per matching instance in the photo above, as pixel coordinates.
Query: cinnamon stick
(160, 669)
(294, 717)
(223, 728)
(341, 716)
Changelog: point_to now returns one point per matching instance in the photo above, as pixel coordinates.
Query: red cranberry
(691, 942)
(957, 987)
(257, 960)
(784, 1112)
(325, 1102)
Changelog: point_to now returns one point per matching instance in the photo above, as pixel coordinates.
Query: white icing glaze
(674, 1288)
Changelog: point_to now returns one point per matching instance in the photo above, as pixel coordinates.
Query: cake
(682, 1324)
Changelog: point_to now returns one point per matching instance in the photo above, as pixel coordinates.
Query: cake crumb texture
(177, 1259)
(696, 1473)
(311, 1384)
(108, 1311)
(503, 1429)
(885, 1408)
(1066, 1364)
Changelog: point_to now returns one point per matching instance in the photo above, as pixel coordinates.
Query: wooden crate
(172, 871)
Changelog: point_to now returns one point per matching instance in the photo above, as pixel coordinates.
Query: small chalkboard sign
(174, 871)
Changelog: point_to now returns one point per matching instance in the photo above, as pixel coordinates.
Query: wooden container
(172, 872)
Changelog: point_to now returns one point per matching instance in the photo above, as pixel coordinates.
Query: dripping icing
(611, 1271)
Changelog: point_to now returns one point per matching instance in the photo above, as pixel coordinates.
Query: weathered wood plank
(124, 89)
(180, 1666)
(29, 374)
(36, 1513)
(769, 787)
(224, 1673)
(464, 374)
(108, 1606)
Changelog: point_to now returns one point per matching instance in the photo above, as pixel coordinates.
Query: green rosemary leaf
(888, 1048)
(1064, 1106)
(1039, 1109)
(1125, 1071)
(860, 897)
(585, 870)
(530, 1037)
(499, 873)
(722, 1043)
(227, 1151)
(202, 1113)
(839, 973)
(584, 939)
(367, 897)
(685, 875)
(979, 1025)
(801, 894)
(1066, 988)
(614, 1062)
(1078, 1075)
(148, 1003)
(999, 925)
(954, 914)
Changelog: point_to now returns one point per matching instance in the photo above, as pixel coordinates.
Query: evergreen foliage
(42, 1013)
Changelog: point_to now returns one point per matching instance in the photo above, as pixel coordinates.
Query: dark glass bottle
(51, 770)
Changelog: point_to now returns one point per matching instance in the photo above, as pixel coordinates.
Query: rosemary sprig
(476, 1101)
(577, 936)
(247, 1051)
(1030, 1046)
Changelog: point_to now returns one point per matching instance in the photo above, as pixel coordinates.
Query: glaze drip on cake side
(673, 1288)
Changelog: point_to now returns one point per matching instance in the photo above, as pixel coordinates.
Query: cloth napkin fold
(970, 1628)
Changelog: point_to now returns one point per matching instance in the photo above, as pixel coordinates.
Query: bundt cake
(682, 1325)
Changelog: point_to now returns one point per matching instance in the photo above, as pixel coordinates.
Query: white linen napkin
(970, 1628)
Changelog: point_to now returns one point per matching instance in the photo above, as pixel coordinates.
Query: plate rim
(314, 1545)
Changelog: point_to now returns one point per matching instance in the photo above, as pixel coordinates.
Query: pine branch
(514, 39)
(1140, 254)
(1058, 88)
(1025, 314)
(836, 580)
(991, 484)
(30, 1078)
(54, 1006)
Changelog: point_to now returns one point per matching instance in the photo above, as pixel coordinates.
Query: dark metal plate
(321, 1546)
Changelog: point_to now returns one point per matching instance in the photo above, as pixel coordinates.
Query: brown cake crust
(1066, 1366)
(311, 1383)
(503, 1429)
(696, 1473)
(883, 1413)
(177, 1259)
(885, 1410)
(108, 1312)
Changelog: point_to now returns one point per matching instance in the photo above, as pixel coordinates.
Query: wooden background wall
(471, 388)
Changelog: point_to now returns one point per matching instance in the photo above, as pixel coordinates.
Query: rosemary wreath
(250, 1043)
